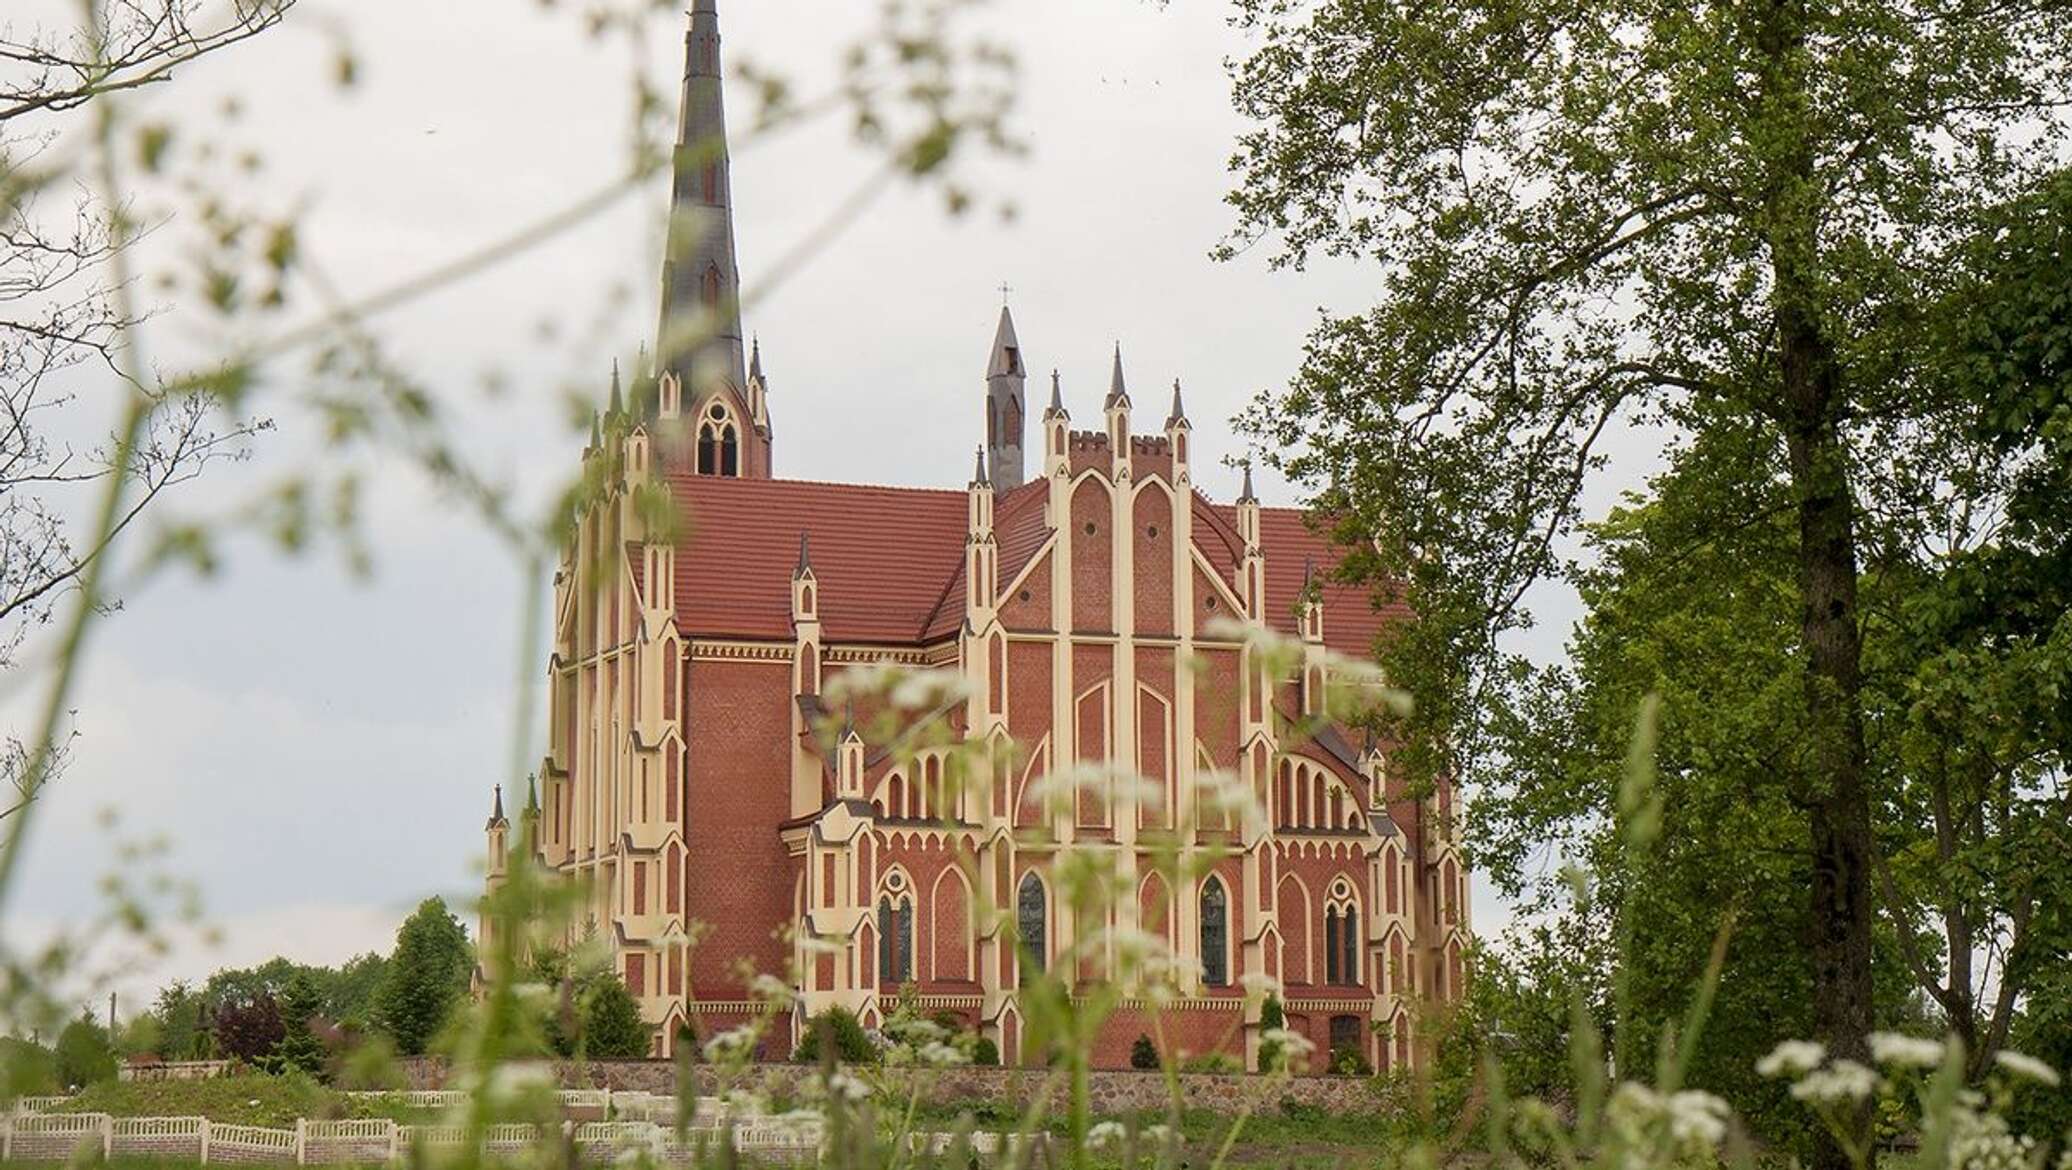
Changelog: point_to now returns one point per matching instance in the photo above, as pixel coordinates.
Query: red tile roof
(882, 555)
(890, 561)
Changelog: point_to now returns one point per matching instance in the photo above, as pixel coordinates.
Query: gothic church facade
(1082, 584)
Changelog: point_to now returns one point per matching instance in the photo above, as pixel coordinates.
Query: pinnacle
(1118, 395)
(1057, 395)
(805, 564)
(1179, 413)
(1245, 496)
(978, 476)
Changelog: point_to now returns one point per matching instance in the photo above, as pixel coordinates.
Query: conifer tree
(426, 976)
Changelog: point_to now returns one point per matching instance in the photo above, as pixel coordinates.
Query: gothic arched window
(719, 443)
(1215, 934)
(895, 935)
(712, 286)
(1031, 915)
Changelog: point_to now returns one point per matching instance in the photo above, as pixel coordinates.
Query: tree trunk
(1836, 798)
(1838, 801)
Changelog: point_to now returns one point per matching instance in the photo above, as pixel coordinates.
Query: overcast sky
(318, 750)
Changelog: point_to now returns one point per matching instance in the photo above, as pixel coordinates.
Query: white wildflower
(814, 944)
(1259, 983)
(518, 1077)
(2023, 1065)
(844, 1087)
(915, 1031)
(771, 990)
(1104, 1133)
(1698, 1117)
(1291, 1044)
(1893, 1048)
(731, 1044)
(1791, 1058)
(937, 1054)
(1844, 1080)
(1161, 1134)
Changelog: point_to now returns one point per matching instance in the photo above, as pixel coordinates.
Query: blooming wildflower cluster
(2028, 1067)
(732, 1045)
(1842, 1081)
(1791, 1057)
(1900, 1051)
(1696, 1121)
(1982, 1141)
(1104, 1133)
(1293, 1045)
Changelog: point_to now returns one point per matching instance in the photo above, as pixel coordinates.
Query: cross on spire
(1005, 288)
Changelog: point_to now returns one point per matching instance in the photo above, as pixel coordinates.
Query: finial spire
(978, 475)
(1245, 496)
(1179, 413)
(700, 273)
(496, 812)
(1117, 393)
(805, 564)
(1057, 395)
(755, 360)
(618, 405)
(532, 794)
(596, 432)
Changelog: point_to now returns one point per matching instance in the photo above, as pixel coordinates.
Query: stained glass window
(1215, 934)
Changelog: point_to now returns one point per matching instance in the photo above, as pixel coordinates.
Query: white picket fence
(61, 1137)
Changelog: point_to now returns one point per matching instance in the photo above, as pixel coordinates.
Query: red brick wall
(740, 716)
(1092, 557)
(1034, 612)
(1153, 550)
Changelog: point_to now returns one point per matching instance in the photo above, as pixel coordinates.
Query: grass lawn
(253, 1099)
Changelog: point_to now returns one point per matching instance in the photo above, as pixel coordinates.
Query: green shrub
(612, 1027)
(852, 1044)
(1349, 1061)
(1212, 1062)
(1143, 1054)
(985, 1053)
(1270, 1017)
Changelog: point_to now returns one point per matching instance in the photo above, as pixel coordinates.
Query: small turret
(1006, 396)
(1178, 432)
(1117, 408)
(1057, 431)
(498, 830)
(805, 621)
(1253, 566)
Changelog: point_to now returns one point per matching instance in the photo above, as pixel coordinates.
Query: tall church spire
(1006, 405)
(701, 279)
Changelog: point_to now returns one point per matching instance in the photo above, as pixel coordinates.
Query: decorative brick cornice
(1370, 1004)
(702, 651)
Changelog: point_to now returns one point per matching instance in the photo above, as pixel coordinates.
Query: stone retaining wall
(1112, 1091)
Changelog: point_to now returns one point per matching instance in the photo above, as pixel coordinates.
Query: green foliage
(27, 1069)
(1271, 1018)
(1588, 222)
(985, 1053)
(178, 1011)
(1143, 1053)
(426, 977)
(300, 1049)
(1221, 1063)
(852, 1045)
(612, 1027)
(1348, 1061)
(83, 1053)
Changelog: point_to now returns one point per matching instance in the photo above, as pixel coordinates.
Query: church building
(1084, 585)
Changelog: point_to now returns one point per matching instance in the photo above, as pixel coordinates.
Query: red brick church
(1070, 583)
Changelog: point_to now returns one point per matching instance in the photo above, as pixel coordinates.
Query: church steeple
(1006, 405)
(700, 339)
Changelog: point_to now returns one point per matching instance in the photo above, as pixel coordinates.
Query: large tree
(426, 976)
(1715, 228)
